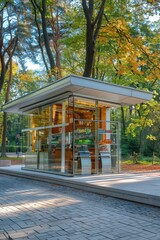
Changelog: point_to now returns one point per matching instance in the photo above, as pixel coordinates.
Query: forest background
(116, 41)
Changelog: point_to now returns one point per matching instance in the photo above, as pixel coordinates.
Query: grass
(11, 158)
(143, 161)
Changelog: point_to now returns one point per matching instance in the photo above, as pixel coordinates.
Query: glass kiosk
(67, 114)
(72, 136)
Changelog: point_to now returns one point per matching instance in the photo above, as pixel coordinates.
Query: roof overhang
(80, 86)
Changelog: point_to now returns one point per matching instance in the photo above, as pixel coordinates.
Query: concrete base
(4, 163)
(143, 188)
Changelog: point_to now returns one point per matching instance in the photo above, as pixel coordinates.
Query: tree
(8, 41)
(41, 7)
(132, 58)
(7, 48)
(122, 47)
(93, 11)
(73, 41)
(3, 151)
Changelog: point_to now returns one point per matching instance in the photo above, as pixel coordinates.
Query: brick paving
(32, 210)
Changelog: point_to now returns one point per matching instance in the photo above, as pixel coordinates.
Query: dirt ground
(139, 168)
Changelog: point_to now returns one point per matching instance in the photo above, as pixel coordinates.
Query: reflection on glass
(72, 136)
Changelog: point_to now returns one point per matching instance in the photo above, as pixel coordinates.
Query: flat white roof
(80, 86)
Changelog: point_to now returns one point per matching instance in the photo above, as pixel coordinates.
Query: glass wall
(84, 135)
(47, 138)
(71, 136)
(96, 153)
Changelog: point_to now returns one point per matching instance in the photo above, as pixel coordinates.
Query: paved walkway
(34, 210)
(142, 187)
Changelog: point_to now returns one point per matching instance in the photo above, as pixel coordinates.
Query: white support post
(63, 137)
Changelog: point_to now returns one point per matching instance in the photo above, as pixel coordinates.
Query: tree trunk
(56, 37)
(3, 154)
(90, 51)
(39, 36)
(45, 35)
(2, 63)
(140, 142)
(123, 120)
(6, 53)
(2, 76)
(93, 23)
(42, 10)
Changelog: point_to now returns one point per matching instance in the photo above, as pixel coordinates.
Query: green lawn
(11, 158)
(143, 160)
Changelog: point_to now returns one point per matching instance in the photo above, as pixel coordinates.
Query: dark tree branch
(5, 5)
(100, 13)
(92, 30)
(86, 10)
(45, 33)
(39, 36)
(35, 4)
(91, 3)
